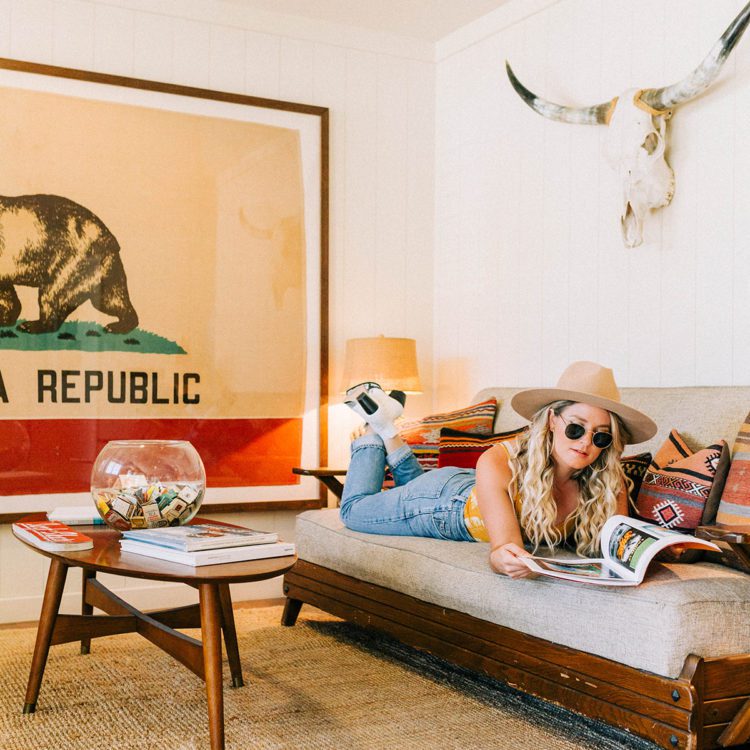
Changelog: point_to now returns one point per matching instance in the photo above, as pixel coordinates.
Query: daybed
(668, 660)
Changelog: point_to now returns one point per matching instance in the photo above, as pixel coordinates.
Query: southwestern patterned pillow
(423, 435)
(463, 449)
(635, 469)
(677, 483)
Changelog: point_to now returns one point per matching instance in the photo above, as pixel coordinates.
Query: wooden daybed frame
(707, 706)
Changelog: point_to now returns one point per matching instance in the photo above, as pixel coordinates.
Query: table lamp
(389, 362)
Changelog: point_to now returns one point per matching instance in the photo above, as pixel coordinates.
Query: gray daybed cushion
(680, 609)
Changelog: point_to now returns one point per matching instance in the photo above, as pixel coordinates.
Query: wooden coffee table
(213, 614)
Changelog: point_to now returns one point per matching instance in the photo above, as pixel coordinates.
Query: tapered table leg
(211, 631)
(230, 635)
(86, 609)
(50, 606)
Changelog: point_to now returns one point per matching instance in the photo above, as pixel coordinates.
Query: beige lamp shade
(389, 362)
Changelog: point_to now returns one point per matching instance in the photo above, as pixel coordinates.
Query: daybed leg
(739, 730)
(291, 611)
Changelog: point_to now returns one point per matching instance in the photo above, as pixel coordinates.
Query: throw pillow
(635, 469)
(734, 507)
(423, 435)
(463, 449)
(678, 482)
(717, 488)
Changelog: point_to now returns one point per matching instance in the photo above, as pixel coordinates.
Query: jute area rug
(323, 684)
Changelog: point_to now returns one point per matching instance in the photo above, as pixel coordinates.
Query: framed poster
(163, 274)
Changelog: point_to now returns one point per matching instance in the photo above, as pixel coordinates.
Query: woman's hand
(505, 559)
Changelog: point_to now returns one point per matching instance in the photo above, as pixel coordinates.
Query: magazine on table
(628, 546)
(52, 536)
(195, 537)
(76, 515)
(209, 556)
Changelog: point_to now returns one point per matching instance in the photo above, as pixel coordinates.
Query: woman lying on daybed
(561, 480)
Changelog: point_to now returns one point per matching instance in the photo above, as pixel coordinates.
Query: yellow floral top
(473, 517)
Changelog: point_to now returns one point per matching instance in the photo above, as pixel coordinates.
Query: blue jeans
(421, 504)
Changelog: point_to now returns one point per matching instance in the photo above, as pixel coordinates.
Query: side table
(213, 613)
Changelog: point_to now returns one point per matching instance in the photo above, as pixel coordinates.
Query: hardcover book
(209, 556)
(628, 546)
(52, 536)
(195, 537)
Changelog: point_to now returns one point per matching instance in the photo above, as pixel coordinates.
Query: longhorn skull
(637, 121)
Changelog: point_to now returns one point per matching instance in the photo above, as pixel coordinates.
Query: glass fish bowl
(147, 484)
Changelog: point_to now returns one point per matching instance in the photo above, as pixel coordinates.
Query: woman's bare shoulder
(498, 457)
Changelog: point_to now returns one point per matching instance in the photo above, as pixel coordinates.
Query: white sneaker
(376, 407)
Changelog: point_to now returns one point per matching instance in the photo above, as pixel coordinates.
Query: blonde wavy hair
(599, 485)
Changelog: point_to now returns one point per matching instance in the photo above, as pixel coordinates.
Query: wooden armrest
(734, 542)
(326, 475)
(721, 533)
(323, 471)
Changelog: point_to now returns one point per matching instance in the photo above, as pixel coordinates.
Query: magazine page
(583, 570)
(630, 544)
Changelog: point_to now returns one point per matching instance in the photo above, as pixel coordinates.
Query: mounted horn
(705, 74)
(599, 114)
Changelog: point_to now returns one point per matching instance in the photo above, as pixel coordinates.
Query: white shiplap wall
(530, 270)
(380, 91)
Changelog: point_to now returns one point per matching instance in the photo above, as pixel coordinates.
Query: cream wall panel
(262, 68)
(113, 40)
(667, 313)
(740, 283)
(31, 21)
(360, 252)
(153, 47)
(713, 130)
(528, 362)
(227, 71)
(73, 29)
(192, 53)
(330, 87)
(419, 224)
(297, 70)
(389, 187)
(5, 14)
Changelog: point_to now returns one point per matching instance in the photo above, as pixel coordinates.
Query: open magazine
(628, 546)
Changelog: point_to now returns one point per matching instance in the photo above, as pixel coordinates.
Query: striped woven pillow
(463, 449)
(734, 507)
(423, 435)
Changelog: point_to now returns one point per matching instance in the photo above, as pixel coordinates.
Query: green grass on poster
(87, 337)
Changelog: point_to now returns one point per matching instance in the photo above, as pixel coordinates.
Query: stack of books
(205, 544)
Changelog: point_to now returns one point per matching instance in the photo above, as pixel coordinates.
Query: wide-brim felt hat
(588, 383)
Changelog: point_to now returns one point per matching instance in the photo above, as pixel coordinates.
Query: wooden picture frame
(216, 205)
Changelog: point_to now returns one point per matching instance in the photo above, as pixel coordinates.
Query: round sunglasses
(575, 431)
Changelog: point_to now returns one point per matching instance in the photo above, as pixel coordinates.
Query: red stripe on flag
(56, 455)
